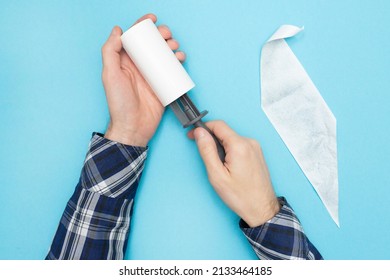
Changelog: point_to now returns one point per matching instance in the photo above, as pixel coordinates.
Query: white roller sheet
(301, 116)
(156, 61)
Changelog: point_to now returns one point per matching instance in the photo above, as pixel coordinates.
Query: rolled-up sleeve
(96, 220)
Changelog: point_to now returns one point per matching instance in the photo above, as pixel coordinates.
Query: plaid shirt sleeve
(281, 238)
(96, 220)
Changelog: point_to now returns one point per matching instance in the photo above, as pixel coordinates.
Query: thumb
(207, 150)
(114, 40)
(112, 48)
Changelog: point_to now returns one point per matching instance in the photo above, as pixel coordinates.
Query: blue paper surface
(52, 99)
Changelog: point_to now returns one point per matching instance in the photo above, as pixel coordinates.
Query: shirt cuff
(112, 169)
(281, 237)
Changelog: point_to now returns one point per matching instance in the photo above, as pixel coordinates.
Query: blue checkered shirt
(96, 220)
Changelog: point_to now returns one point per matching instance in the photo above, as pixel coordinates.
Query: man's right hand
(243, 180)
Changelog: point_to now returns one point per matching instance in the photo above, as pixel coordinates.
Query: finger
(219, 128)
(208, 151)
(181, 56)
(173, 44)
(153, 17)
(190, 134)
(223, 132)
(111, 49)
(165, 32)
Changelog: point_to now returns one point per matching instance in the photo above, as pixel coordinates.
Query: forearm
(96, 220)
(281, 237)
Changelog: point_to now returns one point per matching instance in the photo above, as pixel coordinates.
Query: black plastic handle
(188, 114)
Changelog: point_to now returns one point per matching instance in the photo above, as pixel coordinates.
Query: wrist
(261, 216)
(127, 137)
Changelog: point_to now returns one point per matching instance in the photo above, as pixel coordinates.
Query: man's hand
(243, 181)
(135, 111)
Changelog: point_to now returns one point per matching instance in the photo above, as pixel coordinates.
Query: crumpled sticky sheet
(300, 115)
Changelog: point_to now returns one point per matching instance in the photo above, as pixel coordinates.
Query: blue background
(52, 99)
